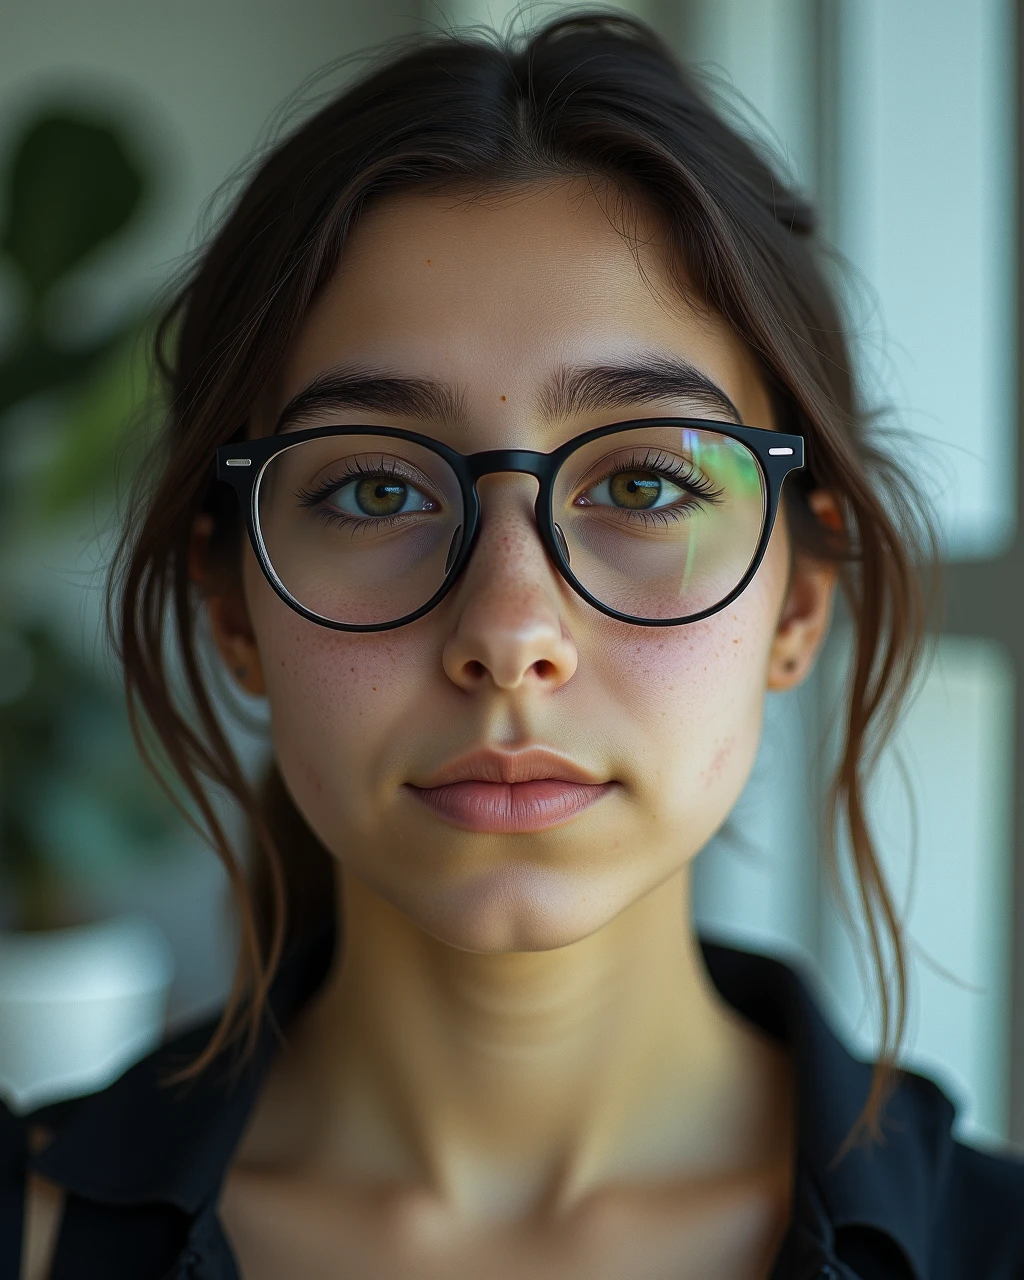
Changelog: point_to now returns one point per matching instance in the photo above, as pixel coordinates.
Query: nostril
(475, 670)
(544, 669)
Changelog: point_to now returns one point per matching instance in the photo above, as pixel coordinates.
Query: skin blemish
(428, 262)
(719, 760)
(501, 397)
(314, 780)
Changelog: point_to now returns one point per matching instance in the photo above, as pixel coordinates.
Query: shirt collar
(139, 1140)
(893, 1186)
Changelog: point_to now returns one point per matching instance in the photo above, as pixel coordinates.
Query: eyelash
(314, 497)
(681, 473)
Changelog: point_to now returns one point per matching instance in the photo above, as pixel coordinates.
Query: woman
(512, 455)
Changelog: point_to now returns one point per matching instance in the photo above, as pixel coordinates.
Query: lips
(510, 792)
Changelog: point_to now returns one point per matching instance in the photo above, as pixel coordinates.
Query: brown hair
(591, 95)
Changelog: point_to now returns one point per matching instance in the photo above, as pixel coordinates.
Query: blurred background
(121, 126)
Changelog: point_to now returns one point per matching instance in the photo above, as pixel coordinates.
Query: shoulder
(955, 1211)
(979, 1225)
(161, 1132)
(952, 1211)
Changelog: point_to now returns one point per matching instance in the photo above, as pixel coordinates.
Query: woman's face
(493, 298)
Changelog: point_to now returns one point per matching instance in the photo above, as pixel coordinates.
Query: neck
(504, 1081)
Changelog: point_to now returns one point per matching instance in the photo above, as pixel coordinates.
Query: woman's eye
(635, 490)
(379, 496)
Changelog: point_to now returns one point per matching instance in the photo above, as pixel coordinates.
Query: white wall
(942, 814)
(926, 103)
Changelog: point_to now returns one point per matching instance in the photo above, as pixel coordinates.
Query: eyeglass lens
(658, 522)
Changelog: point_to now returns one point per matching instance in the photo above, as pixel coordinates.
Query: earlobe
(803, 624)
(232, 633)
(807, 610)
(229, 618)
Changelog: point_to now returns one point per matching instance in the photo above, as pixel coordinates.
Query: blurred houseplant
(73, 793)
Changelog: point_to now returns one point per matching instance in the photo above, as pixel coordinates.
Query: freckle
(736, 641)
(502, 397)
(375, 688)
(428, 262)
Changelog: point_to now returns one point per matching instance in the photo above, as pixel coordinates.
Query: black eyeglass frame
(242, 466)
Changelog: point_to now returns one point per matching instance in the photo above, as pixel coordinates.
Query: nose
(508, 629)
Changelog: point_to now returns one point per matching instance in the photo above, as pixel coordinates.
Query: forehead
(491, 292)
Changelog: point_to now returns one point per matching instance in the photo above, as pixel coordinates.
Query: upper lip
(490, 765)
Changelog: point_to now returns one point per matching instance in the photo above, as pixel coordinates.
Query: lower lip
(516, 807)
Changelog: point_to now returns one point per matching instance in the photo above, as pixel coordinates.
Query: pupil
(635, 489)
(380, 497)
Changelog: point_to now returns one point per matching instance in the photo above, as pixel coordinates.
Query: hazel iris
(380, 497)
(635, 489)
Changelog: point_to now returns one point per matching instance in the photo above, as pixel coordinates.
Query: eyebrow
(570, 391)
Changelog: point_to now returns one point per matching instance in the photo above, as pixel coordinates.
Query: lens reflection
(655, 522)
(661, 522)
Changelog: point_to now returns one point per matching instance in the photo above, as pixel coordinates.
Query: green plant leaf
(92, 454)
(71, 186)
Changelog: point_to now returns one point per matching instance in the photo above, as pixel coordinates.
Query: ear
(229, 617)
(807, 610)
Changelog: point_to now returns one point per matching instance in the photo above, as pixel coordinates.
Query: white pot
(78, 1006)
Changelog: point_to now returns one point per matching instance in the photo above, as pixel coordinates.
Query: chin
(512, 908)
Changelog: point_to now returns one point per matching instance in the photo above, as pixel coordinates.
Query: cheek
(335, 699)
(675, 713)
(694, 698)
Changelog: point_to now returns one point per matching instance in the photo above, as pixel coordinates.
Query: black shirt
(142, 1164)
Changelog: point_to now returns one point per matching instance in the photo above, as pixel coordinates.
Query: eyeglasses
(654, 521)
